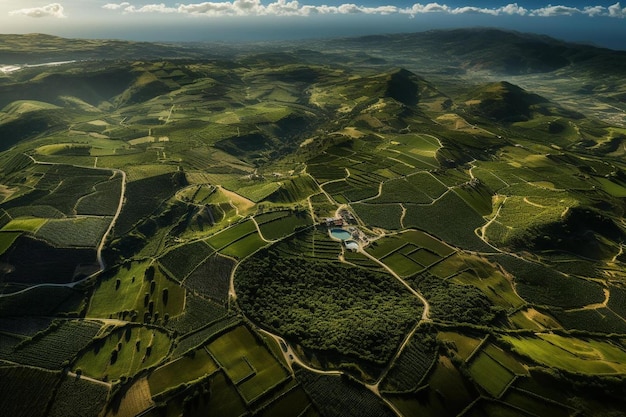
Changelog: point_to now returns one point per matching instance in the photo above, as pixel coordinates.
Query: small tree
(149, 274)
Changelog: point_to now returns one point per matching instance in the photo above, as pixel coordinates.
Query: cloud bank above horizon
(50, 10)
(295, 8)
(601, 22)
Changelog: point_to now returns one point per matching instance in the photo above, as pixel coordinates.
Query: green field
(463, 345)
(7, 239)
(232, 234)
(282, 226)
(32, 225)
(137, 289)
(447, 393)
(124, 352)
(293, 402)
(248, 364)
(402, 264)
(495, 286)
(534, 404)
(80, 231)
(614, 189)
(186, 369)
(245, 246)
(571, 354)
(490, 375)
(409, 252)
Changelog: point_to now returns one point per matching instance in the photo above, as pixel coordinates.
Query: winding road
(100, 246)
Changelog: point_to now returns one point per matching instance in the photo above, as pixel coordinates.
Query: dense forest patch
(327, 307)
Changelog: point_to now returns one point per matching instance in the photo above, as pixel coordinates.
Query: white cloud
(594, 10)
(555, 11)
(151, 8)
(113, 6)
(295, 8)
(617, 11)
(51, 10)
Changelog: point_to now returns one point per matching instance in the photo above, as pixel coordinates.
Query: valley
(362, 226)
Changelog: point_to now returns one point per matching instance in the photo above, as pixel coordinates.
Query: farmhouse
(333, 221)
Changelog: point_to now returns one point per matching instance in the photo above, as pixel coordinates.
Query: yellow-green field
(571, 354)
(194, 365)
(124, 352)
(248, 364)
(128, 290)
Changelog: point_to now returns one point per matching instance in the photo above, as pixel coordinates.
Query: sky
(597, 22)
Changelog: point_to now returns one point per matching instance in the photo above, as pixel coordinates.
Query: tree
(149, 274)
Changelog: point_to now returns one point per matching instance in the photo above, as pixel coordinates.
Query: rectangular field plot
(505, 359)
(487, 408)
(409, 252)
(423, 240)
(293, 403)
(185, 369)
(490, 375)
(402, 264)
(323, 173)
(534, 404)
(386, 216)
(427, 183)
(463, 345)
(247, 363)
(447, 393)
(385, 246)
(225, 401)
(80, 231)
(245, 246)
(423, 257)
(232, 234)
(282, 226)
(401, 191)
